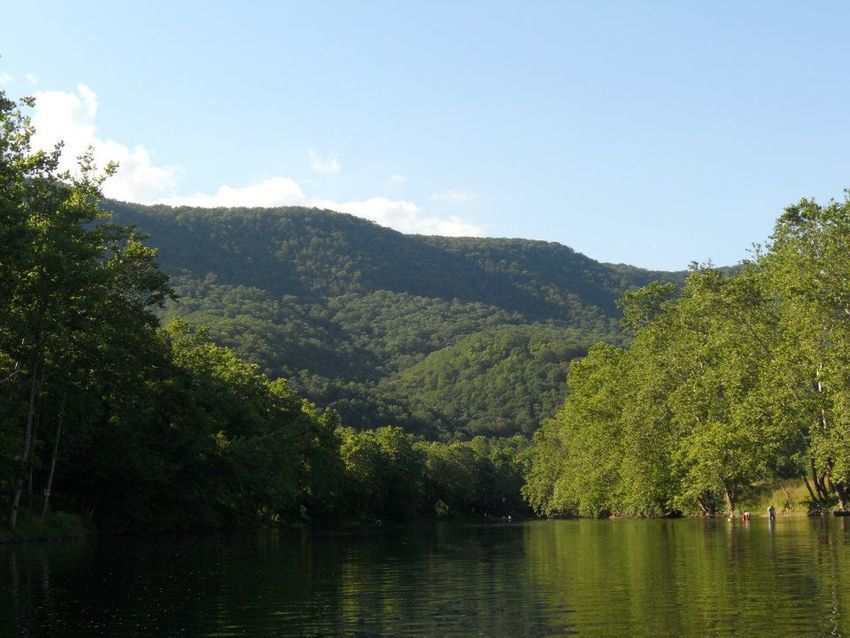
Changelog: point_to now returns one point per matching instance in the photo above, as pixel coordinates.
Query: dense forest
(386, 328)
(112, 415)
(302, 365)
(734, 380)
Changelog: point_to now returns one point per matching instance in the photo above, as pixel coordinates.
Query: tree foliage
(738, 379)
(357, 316)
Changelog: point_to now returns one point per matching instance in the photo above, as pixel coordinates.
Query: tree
(726, 330)
(383, 472)
(576, 461)
(676, 421)
(809, 277)
(68, 276)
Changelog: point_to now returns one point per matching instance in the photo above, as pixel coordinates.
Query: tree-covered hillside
(108, 417)
(493, 381)
(386, 328)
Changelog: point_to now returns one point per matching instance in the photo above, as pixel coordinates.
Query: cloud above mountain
(71, 116)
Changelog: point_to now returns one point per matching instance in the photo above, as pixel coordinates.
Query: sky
(648, 133)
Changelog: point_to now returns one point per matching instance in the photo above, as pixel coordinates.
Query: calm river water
(546, 578)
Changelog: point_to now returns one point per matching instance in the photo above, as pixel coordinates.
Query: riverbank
(788, 496)
(55, 526)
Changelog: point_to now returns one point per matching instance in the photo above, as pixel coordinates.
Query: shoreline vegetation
(732, 381)
(52, 527)
(731, 392)
(790, 497)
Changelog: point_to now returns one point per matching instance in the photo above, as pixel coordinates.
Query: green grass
(56, 526)
(788, 496)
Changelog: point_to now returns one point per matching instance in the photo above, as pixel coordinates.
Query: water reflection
(597, 578)
(698, 578)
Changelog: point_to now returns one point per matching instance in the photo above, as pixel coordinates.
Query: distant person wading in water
(771, 513)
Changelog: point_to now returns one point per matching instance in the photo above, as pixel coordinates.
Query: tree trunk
(31, 470)
(787, 495)
(13, 373)
(53, 456)
(729, 490)
(16, 498)
(823, 490)
(840, 488)
(818, 481)
(809, 488)
(706, 505)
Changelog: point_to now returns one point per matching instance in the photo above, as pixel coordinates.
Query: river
(685, 577)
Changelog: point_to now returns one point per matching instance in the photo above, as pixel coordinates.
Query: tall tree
(68, 276)
(809, 277)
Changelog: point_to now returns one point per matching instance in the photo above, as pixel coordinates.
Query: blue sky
(646, 133)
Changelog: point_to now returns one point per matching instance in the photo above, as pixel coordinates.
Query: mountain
(450, 337)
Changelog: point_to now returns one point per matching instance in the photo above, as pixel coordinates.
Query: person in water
(771, 513)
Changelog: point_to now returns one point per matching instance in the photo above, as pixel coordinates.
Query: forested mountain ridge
(357, 315)
(111, 418)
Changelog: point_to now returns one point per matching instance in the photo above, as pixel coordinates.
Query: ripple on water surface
(593, 578)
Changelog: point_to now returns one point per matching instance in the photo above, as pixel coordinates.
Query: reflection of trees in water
(441, 580)
(685, 578)
(444, 580)
(27, 598)
(694, 577)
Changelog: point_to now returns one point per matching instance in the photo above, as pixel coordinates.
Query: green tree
(383, 471)
(676, 421)
(576, 463)
(726, 328)
(809, 277)
(68, 277)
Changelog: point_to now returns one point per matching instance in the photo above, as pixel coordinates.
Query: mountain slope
(493, 381)
(358, 315)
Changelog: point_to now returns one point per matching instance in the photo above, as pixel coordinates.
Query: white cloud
(32, 78)
(404, 216)
(70, 117)
(397, 179)
(453, 226)
(329, 164)
(275, 191)
(451, 197)
(6, 78)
